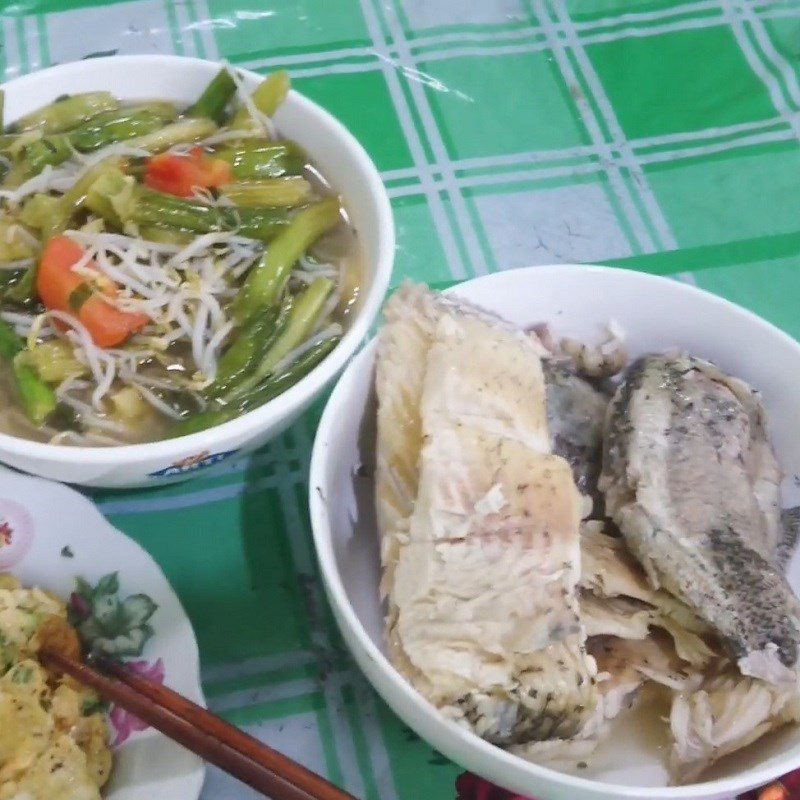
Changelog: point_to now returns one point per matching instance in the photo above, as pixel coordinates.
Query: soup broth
(162, 271)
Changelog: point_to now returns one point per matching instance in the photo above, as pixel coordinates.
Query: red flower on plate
(123, 722)
(471, 787)
(5, 534)
(16, 533)
(786, 788)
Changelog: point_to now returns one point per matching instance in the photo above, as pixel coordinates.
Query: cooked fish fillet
(625, 666)
(504, 572)
(488, 377)
(602, 360)
(575, 414)
(617, 691)
(728, 713)
(608, 569)
(615, 616)
(790, 532)
(691, 481)
(405, 338)
(653, 658)
(690, 635)
(610, 574)
(404, 347)
(483, 614)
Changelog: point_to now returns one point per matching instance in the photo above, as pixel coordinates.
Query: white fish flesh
(482, 573)
(729, 712)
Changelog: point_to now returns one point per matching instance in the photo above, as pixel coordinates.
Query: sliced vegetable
(267, 278)
(269, 389)
(16, 245)
(15, 176)
(15, 242)
(68, 112)
(121, 124)
(14, 145)
(118, 199)
(180, 175)
(267, 98)
(74, 198)
(128, 405)
(257, 158)
(47, 151)
(180, 132)
(56, 281)
(38, 210)
(289, 191)
(111, 196)
(37, 398)
(252, 343)
(153, 208)
(54, 361)
(302, 321)
(300, 324)
(61, 288)
(108, 325)
(23, 291)
(10, 343)
(215, 98)
(155, 233)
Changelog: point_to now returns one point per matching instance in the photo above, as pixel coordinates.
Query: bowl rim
(445, 734)
(250, 424)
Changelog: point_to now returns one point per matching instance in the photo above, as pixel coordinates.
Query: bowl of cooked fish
(189, 253)
(555, 513)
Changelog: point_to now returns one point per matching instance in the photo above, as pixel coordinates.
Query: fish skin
(790, 532)
(691, 481)
(575, 415)
(726, 713)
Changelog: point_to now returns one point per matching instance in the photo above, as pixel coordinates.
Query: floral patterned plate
(120, 602)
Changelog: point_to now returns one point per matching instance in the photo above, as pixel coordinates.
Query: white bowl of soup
(184, 273)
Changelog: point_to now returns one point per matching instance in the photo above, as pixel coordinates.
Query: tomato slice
(108, 325)
(180, 175)
(55, 280)
(61, 289)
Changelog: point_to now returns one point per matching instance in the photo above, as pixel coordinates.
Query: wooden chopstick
(205, 734)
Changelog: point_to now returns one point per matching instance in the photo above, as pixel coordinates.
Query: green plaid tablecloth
(650, 134)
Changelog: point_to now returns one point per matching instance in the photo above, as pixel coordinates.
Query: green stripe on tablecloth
(325, 729)
(277, 709)
(215, 689)
(44, 45)
(371, 791)
(744, 251)
(195, 22)
(174, 28)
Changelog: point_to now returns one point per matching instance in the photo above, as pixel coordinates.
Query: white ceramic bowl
(341, 159)
(655, 313)
(55, 535)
